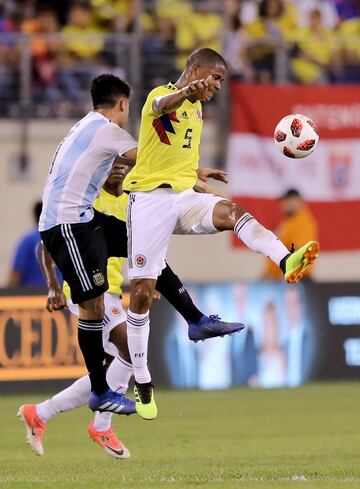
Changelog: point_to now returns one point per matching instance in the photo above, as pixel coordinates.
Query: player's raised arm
(56, 298)
(168, 103)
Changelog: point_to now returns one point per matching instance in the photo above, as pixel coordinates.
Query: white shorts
(114, 315)
(154, 216)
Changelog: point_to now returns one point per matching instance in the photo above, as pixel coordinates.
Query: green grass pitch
(307, 438)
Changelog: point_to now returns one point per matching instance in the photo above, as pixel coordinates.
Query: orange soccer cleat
(109, 442)
(34, 426)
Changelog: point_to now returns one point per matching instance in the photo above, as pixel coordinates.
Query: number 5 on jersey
(188, 137)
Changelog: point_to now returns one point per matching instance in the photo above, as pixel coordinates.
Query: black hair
(37, 208)
(205, 56)
(292, 192)
(264, 5)
(107, 89)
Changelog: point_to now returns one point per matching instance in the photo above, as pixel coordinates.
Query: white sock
(138, 328)
(260, 239)
(76, 395)
(117, 376)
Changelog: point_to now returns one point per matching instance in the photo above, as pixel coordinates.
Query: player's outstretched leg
(201, 327)
(76, 395)
(230, 216)
(34, 427)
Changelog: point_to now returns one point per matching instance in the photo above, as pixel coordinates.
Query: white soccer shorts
(154, 216)
(114, 315)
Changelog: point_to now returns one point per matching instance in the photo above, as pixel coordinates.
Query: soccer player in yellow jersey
(112, 200)
(162, 202)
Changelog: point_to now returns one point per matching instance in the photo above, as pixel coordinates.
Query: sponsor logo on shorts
(140, 261)
(115, 311)
(198, 115)
(98, 279)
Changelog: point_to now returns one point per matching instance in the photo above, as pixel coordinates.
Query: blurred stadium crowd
(64, 43)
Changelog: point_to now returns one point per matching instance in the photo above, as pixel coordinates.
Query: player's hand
(205, 173)
(157, 295)
(196, 89)
(204, 188)
(56, 299)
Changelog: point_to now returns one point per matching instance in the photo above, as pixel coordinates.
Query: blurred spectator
(44, 46)
(272, 29)
(81, 59)
(235, 42)
(61, 7)
(350, 39)
(115, 15)
(158, 49)
(317, 52)
(174, 9)
(8, 58)
(207, 24)
(327, 9)
(200, 29)
(82, 37)
(271, 357)
(296, 228)
(25, 268)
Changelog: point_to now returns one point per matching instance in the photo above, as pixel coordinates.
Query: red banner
(258, 108)
(328, 179)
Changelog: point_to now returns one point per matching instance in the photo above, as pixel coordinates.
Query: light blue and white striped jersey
(80, 166)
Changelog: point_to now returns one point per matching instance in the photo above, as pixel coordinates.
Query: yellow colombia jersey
(116, 206)
(168, 150)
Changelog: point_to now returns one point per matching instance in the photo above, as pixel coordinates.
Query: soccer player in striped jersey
(162, 202)
(112, 200)
(79, 238)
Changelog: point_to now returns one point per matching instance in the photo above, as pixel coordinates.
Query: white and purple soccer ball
(296, 136)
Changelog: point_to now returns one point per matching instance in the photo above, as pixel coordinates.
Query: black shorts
(81, 252)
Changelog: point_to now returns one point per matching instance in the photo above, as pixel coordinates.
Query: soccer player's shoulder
(113, 131)
(159, 91)
(162, 90)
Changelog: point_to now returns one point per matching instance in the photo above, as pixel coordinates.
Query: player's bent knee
(141, 296)
(237, 212)
(226, 214)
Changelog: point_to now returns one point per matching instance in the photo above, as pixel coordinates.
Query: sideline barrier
(293, 335)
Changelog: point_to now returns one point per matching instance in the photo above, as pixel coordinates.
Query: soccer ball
(296, 136)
